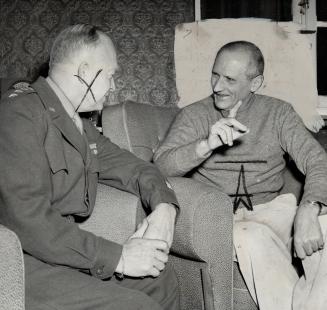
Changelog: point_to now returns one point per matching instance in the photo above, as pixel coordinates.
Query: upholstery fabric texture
(11, 271)
(113, 201)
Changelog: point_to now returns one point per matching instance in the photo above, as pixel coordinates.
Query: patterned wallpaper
(142, 30)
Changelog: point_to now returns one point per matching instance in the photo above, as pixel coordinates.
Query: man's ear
(256, 83)
(83, 69)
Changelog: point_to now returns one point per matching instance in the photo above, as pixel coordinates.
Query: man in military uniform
(51, 162)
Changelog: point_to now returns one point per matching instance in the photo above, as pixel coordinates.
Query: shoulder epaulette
(20, 88)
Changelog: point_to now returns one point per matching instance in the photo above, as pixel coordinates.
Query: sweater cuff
(107, 259)
(318, 196)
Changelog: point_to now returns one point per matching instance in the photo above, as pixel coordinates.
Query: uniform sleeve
(177, 156)
(121, 169)
(308, 154)
(26, 204)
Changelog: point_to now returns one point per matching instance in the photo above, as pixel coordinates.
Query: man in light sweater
(235, 140)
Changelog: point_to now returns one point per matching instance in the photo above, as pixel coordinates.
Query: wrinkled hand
(143, 257)
(146, 251)
(226, 130)
(161, 223)
(308, 237)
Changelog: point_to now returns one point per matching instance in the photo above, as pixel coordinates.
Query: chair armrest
(12, 284)
(204, 231)
(205, 221)
(115, 214)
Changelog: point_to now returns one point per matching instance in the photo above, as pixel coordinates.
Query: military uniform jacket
(49, 174)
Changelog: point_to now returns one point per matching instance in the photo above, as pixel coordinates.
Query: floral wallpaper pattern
(142, 30)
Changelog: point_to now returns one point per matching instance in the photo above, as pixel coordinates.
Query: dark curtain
(322, 61)
(321, 10)
(280, 10)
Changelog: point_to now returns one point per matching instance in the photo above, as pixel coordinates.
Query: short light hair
(257, 63)
(71, 40)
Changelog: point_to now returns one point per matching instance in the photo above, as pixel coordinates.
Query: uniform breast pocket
(55, 152)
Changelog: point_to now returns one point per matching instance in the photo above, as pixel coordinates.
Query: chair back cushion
(137, 127)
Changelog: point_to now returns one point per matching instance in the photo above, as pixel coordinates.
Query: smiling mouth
(221, 96)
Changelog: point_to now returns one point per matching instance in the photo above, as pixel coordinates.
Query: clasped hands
(146, 252)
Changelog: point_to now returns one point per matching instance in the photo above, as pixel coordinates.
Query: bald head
(255, 66)
(77, 41)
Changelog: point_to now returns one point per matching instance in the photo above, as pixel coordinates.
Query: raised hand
(226, 130)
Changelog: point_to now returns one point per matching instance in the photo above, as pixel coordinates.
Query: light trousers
(262, 247)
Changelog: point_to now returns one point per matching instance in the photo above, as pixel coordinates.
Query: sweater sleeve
(308, 154)
(177, 156)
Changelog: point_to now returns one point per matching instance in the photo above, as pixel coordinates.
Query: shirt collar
(68, 106)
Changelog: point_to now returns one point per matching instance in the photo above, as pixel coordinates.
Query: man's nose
(218, 85)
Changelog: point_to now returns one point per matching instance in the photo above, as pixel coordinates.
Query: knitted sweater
(275, 129)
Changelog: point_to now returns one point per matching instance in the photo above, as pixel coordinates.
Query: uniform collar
(68, 106)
